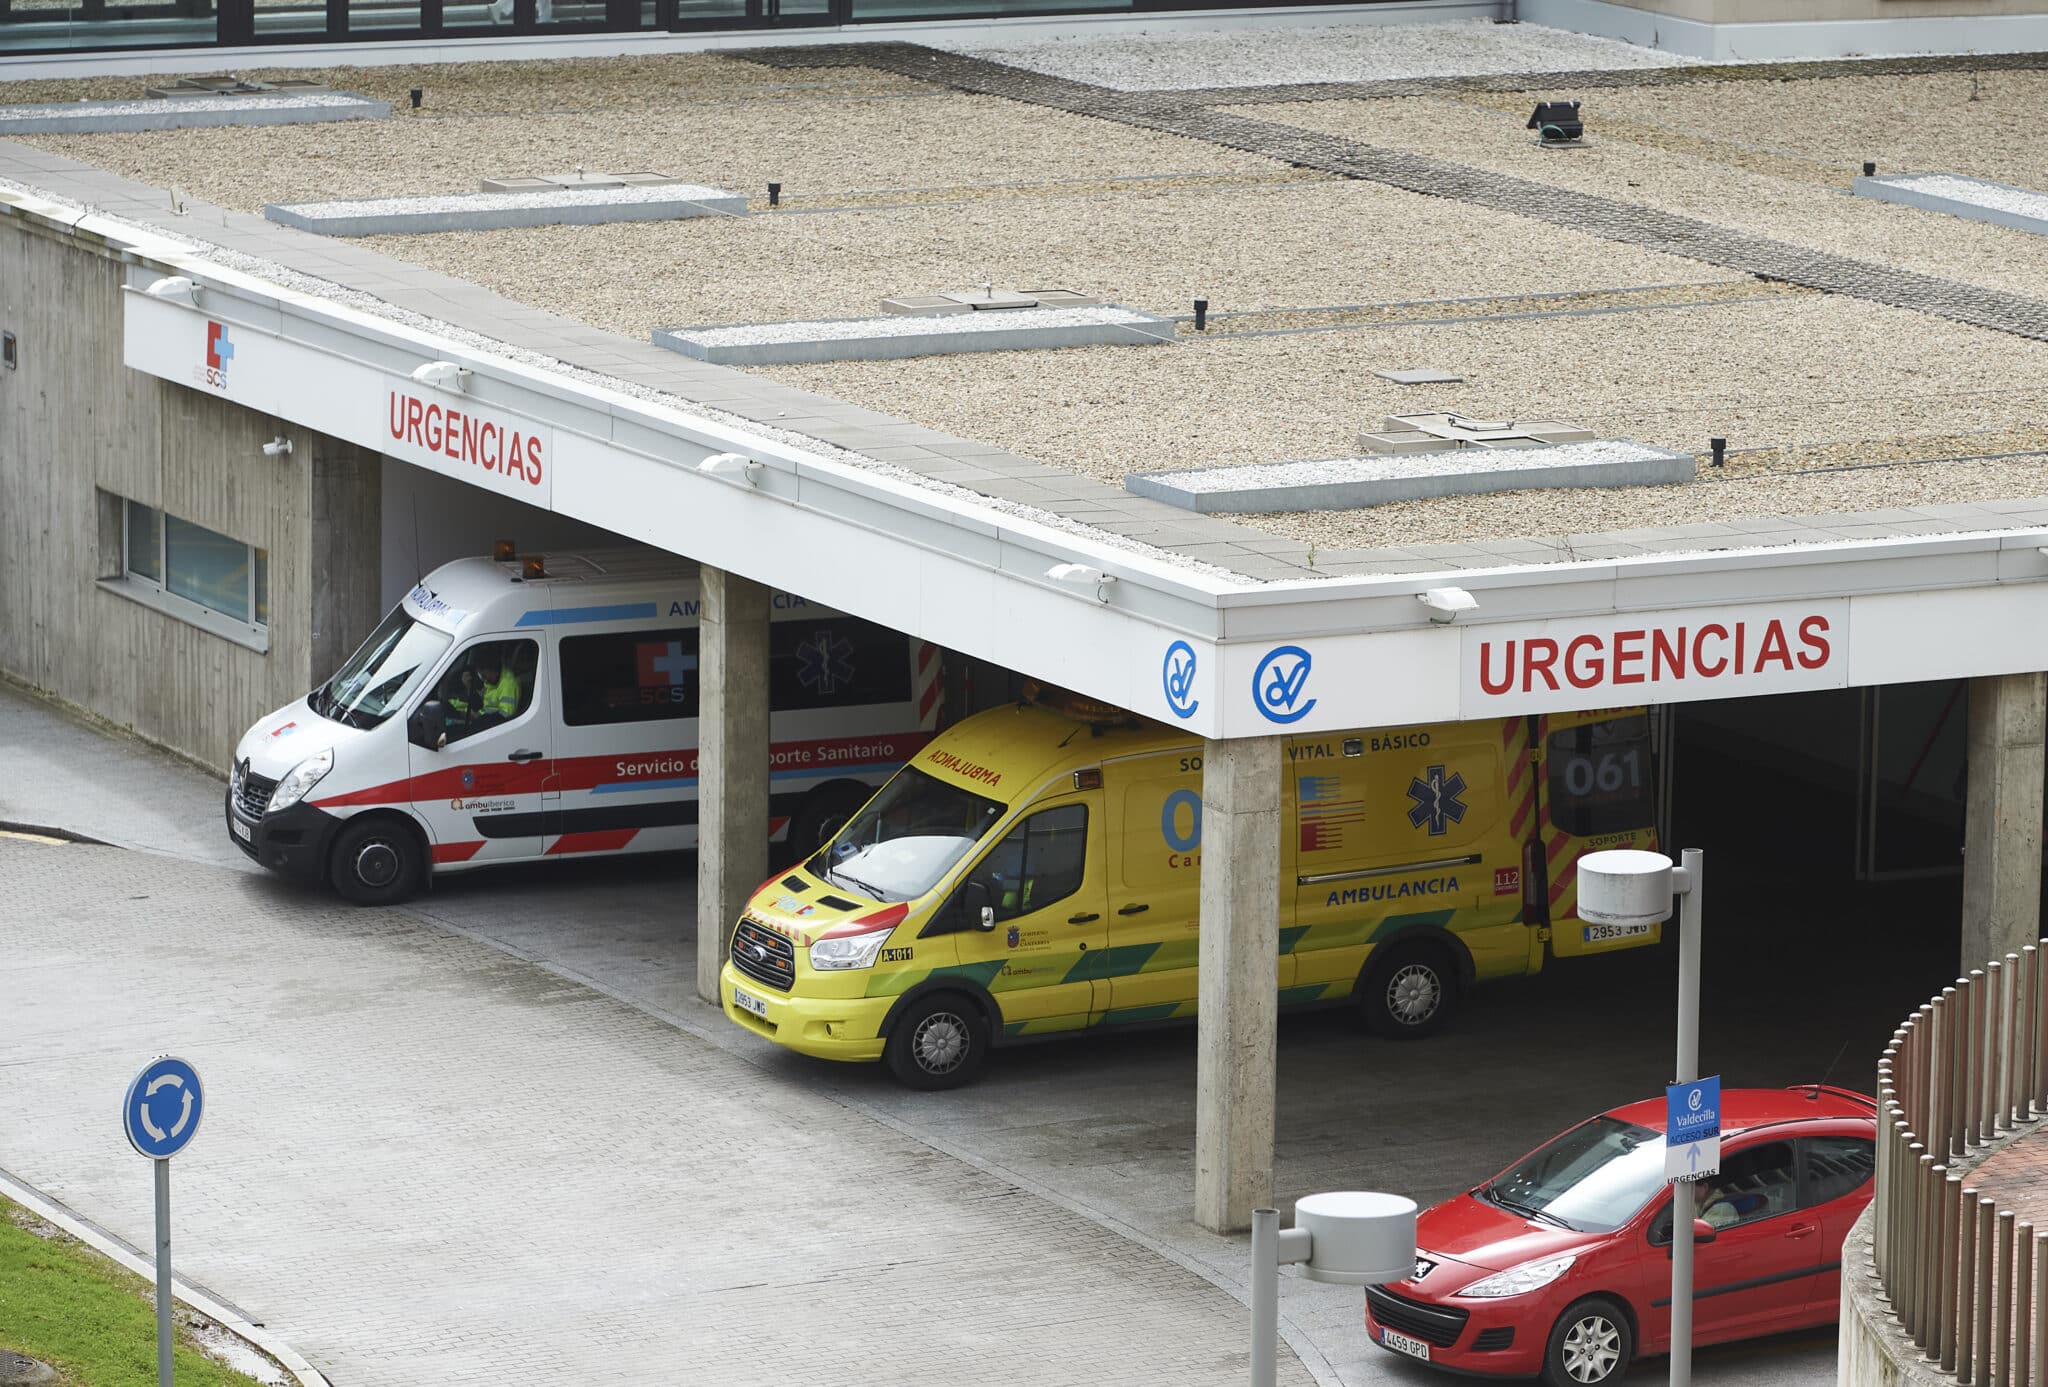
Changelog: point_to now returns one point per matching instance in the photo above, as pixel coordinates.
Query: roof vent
(549, 182)
(1443, 433)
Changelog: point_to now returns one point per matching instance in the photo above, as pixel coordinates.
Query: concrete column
(1240, 1002)
(732, 761)
(2002, 834)
(345, 527)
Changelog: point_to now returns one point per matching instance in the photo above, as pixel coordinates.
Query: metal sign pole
(163, 1271)
(1682, 1201)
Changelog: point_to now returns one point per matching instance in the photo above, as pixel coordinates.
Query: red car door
(1756, 1276)
(1834, 1188)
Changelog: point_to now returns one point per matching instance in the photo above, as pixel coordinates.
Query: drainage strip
(187, 113)
(1356, 482)
(902, 335)
(1976, 199)
(490, 211)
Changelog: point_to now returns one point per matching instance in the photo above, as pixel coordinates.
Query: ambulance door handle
(1082, 919)
(1134, 910)
(526, 756)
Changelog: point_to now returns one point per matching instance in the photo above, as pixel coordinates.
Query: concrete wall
(73, 422)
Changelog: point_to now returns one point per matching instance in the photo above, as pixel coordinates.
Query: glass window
(1593, 1178)
(381, 675)
(145, 542)
(262, 587)
(1600, 777)
(836, 662)
(1038, 863)
(1836, 1166)
(906, 837)
(1755, 1183)
(632, 676)
(208, 568)
(490, 684)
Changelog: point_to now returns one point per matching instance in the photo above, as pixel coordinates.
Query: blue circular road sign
(162, 1110)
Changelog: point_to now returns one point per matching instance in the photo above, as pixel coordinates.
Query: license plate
(241, 829)
(752, 1005)
(1596, 934)
(1401, 1343)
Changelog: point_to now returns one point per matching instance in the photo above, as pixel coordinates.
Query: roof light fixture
(738, 466)
(1081, 575)
(1557, 122)
(175, 289)
(1445, 604)
(443, 375)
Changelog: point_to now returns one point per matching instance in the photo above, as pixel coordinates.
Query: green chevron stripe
(1120, 1015)
(1118, 962)
(1291, 936)
(1310, 992)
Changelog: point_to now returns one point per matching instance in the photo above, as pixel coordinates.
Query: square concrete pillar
(2002, 830)
(732, 761)
(1240, 1000)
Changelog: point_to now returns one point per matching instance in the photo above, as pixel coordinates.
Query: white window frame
(156, 593)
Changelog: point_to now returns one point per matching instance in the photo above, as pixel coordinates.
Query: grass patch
(86, 1316)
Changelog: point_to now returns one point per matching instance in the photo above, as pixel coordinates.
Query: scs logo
(219, 352)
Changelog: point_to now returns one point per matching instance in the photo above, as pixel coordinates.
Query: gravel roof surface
(809, 146)
(1156, 249)
(1693, 172)
(1178, 58)
(1803, 370)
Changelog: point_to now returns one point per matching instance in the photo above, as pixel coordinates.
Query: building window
(195, 574)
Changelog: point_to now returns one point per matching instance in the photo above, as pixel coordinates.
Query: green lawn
(62, 1302)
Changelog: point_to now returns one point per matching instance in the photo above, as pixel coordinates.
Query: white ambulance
(532, 706)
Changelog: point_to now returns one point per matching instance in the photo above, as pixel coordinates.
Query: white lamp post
(1351, 1238)
(1629, 887)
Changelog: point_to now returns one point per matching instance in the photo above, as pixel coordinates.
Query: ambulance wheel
(1590, 1344)
(1409, 990)
(825, 811)
(938, 1042)
(376, 860)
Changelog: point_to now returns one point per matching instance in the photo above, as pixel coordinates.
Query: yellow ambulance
(1035, 869)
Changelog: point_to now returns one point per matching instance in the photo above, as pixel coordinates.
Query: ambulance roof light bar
(1081, 575)
(1445, 604)
(735, 465)
(175, 289)
(443, 375)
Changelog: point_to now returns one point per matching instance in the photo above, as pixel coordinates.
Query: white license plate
(752, 1005)
(1596, 934)
(241, 829)
(1401, 1343)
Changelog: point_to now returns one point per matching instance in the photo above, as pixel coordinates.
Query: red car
(1560, 1266)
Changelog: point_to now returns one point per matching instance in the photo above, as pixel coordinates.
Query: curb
(49, 1210)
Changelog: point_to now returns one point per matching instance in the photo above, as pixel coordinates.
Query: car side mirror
(423, 728)
(976, 908)
(987, 922)
(1703, 1232)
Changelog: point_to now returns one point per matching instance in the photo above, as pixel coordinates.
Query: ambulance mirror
(423, 728)
(974, 905)
(988, 919)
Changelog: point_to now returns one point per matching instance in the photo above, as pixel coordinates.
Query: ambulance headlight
(1530, 1276)
(848, 951)
(302, 778)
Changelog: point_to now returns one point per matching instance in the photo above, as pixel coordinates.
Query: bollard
(1966, 1284)
(1987, 1239)
(2000, 1364)
(1944, 1349)
(2030, 1011)
(1987, 1059)
(2022, 1374)
(1926, 1236)
(2040, 1310)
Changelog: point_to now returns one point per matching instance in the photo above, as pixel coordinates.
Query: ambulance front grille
(764, 956)
(253, 792)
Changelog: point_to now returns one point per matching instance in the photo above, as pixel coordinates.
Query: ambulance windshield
(907, 837)
(382, 673)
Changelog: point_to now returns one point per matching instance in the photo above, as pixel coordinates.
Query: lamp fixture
(1081, 575)
(175, 289)
(1446, 604)
(443, 375)
(278, 447)
(735, 465)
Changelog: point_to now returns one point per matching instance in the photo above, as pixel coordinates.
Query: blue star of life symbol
(825, 662)
(1436, 800)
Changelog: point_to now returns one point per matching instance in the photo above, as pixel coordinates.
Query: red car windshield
(1593, 1178)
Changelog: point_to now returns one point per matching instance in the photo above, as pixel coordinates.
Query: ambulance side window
(490, 684)
(1038, 863)
(629, 676)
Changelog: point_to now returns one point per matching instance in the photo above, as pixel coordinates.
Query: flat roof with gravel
(1347, 202)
